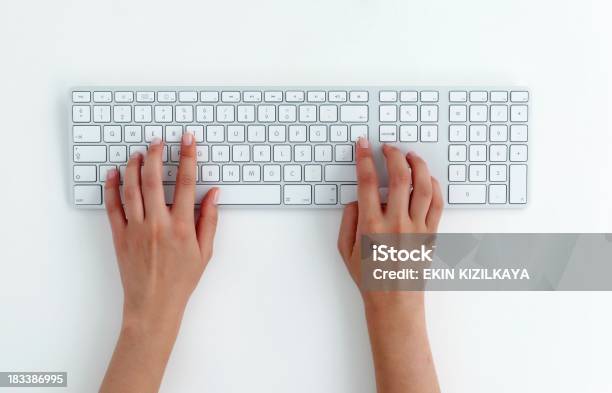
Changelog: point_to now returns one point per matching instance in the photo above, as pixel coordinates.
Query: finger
(348, 231)
(132, 195)
(207, 223)
(367, 182)
(436, 207)
(184, 194)
(152, 189)
(399, 182)
(112, 201)
(421, 188)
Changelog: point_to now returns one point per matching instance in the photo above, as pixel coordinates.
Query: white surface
(278, 312)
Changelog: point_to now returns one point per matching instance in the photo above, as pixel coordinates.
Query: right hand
(418, 211)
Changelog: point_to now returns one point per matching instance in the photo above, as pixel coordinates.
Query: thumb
(207, 223)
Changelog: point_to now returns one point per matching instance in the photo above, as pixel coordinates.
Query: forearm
(400, 347)
(141, 355)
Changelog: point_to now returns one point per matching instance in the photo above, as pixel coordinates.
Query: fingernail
(156, 141)
(187, 139)
(215, 198)
(111, 174)
(411, 153)
(363, 142)
(136, 154)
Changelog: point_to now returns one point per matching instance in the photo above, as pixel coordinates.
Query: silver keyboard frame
(435, 153)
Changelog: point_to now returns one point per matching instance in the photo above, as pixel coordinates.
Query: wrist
(396, 304)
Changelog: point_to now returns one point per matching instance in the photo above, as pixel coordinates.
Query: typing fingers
(184, 194)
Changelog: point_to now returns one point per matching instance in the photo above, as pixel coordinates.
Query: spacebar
(238, 194)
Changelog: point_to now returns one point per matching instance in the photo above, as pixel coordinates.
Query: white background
(275, 311)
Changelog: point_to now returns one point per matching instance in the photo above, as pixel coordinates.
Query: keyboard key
(457, 153)
(358, 96)
(266, 113)
(251, 96)
(84, 173)
(518, 153)
(340, 173)
(408, 113)
(409, 96)
(86, 134)
(297, 195)
(89, 154)
(457, 133)
(499, 96)
(338, 133)
(518, 133)
(358, 131)
(112, 134)
(337, 96)
(142, 113)
(478, 96)
(81, 113)
(188, 96)
(478, 133)
(387, 113)
(498, 153)
(312, 173)
(272, 173)
(209, 96)
(498, 133)
(497, 172)
(123, 113)
(145, 96)
(519, 96)
(497, 194)
(518, 184)
(328, 113)
(273, 96)
(457, 96)
(230, 96)
(294, 96)
(478, 173)
(292, 173)
(429, 133)
(88, 195)
(387, 96)
(387, 133)
(456, 173)
(102, 96)
(408, 133)
(316, 96)
(499, 113)
(478, 113)
(467, 194)
(166, 96)
(124, 96)
(458, 113)
(254, 194)
(518, 113)
(429, 113)
(354, 113)
(326, 194)
(81, 96)
(429, 96)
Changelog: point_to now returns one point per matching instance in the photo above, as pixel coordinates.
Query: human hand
(418, 211)
(396, 319)
(161, 251)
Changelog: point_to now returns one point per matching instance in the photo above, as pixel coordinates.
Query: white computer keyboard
(293, 146)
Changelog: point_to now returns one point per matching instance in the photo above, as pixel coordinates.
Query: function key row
(220, 96)
(408, 96)
(484, 96)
